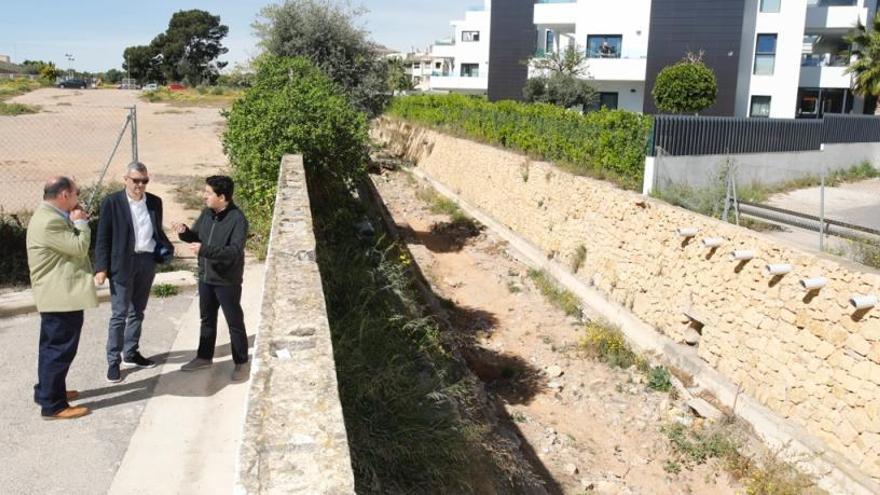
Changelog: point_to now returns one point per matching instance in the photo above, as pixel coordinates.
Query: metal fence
(680, 135)
(80, 141)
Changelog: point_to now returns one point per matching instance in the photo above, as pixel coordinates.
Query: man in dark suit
(130, 241)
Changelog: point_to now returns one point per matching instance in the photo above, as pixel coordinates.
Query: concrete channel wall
(809, 360)
(294, 438)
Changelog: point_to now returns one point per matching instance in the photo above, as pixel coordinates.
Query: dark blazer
(114, 244)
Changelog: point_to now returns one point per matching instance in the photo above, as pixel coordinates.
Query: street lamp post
(70, 59)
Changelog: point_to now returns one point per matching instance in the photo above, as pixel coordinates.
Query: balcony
(460, 84)
(617, 69)
(824, 77)
(834, 14)
(443, 50)
(555, 12)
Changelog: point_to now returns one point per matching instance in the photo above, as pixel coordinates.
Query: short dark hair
(222, 185)
(56, 186)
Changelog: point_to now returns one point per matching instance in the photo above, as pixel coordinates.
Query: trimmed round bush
(686, 87)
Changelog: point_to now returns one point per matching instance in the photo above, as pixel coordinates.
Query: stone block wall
(294, 438)
(809, 357)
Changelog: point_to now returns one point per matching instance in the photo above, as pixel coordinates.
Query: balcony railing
(823, 60)
(832, 3)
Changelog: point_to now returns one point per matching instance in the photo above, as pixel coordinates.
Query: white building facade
(461, 63)
(772, 58)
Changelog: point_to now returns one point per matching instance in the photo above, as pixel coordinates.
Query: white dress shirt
(143, 226)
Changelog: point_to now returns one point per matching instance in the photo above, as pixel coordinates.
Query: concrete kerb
(22, 302)
(794, 444)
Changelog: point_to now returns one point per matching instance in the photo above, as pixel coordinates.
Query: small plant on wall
(686, 87)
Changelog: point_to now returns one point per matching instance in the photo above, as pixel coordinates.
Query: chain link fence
(79, 141)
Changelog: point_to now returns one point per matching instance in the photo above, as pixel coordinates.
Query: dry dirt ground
(591, 428)
(74, 134)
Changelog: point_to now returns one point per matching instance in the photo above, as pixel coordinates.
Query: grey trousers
(128, 300)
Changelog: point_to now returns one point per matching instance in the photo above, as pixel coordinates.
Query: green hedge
(606, 143)
(292, 107)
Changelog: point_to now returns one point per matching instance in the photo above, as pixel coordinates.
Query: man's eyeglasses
(140, 182)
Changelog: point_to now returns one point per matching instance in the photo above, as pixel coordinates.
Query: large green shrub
(291, 108)
(686, 87)
(607, 143)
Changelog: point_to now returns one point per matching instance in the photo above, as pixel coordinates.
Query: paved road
(80, 456)
(857, 203)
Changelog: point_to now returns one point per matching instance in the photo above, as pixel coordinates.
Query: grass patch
(165, 290)
(864, 252)
(10, 88)
(172, 111)
(578, 258)
(607, 344)
(659, 379)
(217, 96)
(559, 297)
(767, 474)
(13, 109)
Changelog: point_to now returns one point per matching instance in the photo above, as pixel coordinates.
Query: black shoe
(137, 360)
(113, 374)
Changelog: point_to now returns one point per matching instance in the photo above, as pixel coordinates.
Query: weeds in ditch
(410, 407)
(559, 297)
(767, 474)
(578, 259)
(607, 344)
(865, 252)
(13, 109)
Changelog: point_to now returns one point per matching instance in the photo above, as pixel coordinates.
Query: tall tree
(560, 80)
(865, 60)
(142, 63)
(325, 32)
(189, 48)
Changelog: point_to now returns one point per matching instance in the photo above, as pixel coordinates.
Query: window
(760, 106)
(438, 65)
(765, 54)
(608, 100)
(770, 6)
(604, 45)
(470, 70)
(548, 41)
(417, 65)
(470, 36)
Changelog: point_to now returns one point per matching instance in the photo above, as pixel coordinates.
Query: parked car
(126, 86)
(176, 87)
(73, 83)
(150, 87)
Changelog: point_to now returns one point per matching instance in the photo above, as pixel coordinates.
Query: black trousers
(228, 297)
(59, 340)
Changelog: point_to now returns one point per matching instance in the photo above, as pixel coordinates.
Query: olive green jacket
(58, 257)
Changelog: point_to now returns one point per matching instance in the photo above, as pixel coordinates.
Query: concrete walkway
(159, 431)
(188, 437)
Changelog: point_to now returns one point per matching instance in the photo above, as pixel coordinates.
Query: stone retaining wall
(294, 438)
(809, 357)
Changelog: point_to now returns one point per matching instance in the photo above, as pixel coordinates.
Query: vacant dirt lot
(75, 131)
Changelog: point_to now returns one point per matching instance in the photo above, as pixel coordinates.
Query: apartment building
(461, 63)
(772, 58)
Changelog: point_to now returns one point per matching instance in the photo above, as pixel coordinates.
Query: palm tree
(865, 60)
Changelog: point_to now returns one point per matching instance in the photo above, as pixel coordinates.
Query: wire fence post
(134, 133)
(822, 202)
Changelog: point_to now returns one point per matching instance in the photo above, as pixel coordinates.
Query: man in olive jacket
(58, 237)
(218, 238)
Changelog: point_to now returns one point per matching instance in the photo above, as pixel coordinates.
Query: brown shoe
(72, 394)
(70, 413)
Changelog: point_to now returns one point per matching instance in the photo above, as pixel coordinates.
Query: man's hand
(195, 247)
(178, 227)
(78, 214)
(100, 278)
